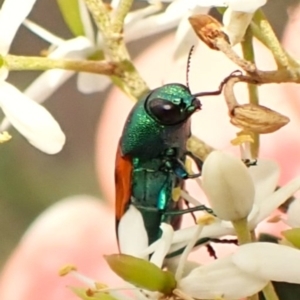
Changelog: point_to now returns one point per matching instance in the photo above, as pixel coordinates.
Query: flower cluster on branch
(241, 191)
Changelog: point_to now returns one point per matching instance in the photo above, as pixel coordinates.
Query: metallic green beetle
(151, 155)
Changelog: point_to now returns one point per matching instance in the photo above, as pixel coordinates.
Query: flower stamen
(189, 247)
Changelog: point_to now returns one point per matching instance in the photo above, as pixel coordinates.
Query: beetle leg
(197, 160)
(189, 210)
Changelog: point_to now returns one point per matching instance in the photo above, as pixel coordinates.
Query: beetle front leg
(197, 160)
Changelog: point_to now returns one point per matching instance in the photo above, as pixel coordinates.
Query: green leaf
(84, 294)
(293, 236)
(71, 14)
(141, 273)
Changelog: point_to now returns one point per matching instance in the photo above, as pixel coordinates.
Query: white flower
(32, 120)
(265, 177)
(228, 186)
(251, 267)
(266, 200)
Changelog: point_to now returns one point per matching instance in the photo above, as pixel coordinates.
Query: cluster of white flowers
(235, 192)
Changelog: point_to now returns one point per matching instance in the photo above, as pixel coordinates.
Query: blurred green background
(30, 181)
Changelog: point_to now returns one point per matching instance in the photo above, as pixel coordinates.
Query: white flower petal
(265, 176)
(32, 120)
(220, 279)
(269, 261)
(43, 33)
(139, 14)
(78, 47)
(12, 14)
(157, 23)
(133, 238)
(163, 246)
(114, 3)
(86, 21)
(235, 25)
(253, 216)
(273, 201)
(172, 264)
(185, 36)
(293, 214)
(228, 186)
(188, 249)
(88, 83)
(48, 82)
(215, 230)
(149, 26)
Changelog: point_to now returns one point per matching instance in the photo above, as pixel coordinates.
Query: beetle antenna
(235, 73)
(188, 66)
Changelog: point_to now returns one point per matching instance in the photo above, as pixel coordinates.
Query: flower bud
(257, 118)
(207, 29)
(228, 186)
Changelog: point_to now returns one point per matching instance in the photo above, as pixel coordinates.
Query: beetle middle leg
(175, 165)
(190, 210)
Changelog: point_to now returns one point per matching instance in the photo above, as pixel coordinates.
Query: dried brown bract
(257, 118)
(208, 30)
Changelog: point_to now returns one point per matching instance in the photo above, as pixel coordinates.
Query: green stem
(242, 231)
(244, 236)
(100, 14)
(115, 50)
(269, 292)
(263, 31)
(248, 54)
(121, 11)
(21, 63)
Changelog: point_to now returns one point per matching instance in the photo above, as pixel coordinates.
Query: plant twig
(263, 31)
(114, 48)
(248, 53)
(120, 14)
(21, 63)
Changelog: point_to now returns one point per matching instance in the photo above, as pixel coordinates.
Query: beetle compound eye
(166, 112)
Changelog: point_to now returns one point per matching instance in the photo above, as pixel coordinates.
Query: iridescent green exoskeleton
(154, 145)
(151, 156)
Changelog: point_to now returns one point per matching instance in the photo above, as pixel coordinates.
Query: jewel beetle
(151, 155)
